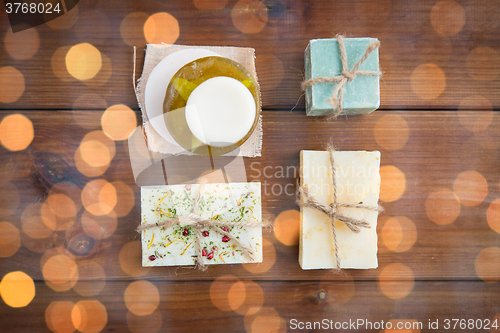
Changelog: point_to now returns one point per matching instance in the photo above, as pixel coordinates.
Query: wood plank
(464, 64)
(438, 149)
(188, 306)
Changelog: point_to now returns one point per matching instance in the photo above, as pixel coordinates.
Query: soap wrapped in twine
(332, 210)
(198, 223)
(346, 76)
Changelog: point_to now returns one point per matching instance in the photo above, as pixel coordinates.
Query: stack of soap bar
(322, 59)
(176, 246)
(358, 181)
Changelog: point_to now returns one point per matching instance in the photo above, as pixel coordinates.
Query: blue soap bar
(322, 59)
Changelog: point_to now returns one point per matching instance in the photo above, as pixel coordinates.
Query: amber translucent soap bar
(186, 81)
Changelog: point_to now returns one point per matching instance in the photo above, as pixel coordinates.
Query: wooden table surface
(64, 86)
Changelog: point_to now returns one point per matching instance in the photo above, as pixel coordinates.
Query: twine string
(197, 222)
(345, 77)
(305, 199)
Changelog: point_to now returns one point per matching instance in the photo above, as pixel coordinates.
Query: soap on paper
(358, 182)
(176, 246)
(322, 59)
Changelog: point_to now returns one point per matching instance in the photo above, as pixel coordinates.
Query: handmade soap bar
(322, 59)
(358, 181)
(175, 246)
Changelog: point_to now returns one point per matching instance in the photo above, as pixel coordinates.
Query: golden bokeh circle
(249, 16)
(142, 298)
(246, 297)
(89, 316)
(447, 17)
(493, 215)
(11, 84)
(392, 183)
(219, 292)
(17, 289)
(60, 272)
(442, 206)
(145, 324)
(35, 221)
(99, 227)
(10, 239)
(16, 132)
(58, 317)
(99, 197)
(92, 278)
(118, 121)
(399, 233)
(475, 113)
(265, 320)
(83, 61)
(131, 29)
(486, 264)
(58, 64)
(130, 259)
(287, 227)
(22, 45)
(471, 188)
(391, 132)
(396, 281)
(161, 28)
(483, 64)
(125, 199)
(428, 81)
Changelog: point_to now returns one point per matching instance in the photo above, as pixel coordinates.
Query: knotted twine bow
(198, 223)
(332, 210)
(347, 76)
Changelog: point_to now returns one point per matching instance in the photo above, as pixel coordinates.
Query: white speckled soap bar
(224, 202)
(358, 181)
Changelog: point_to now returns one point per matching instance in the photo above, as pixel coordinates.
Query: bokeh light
(246, 297)
(338, 289)
(131, 29)
(145, 324)
(60, 272)
(493, 215)
(83, 61)
(23, 44)
(391, 132)
(265, 320)
(11, 85)
(428, 81)
(34, 222)
(17, 289)
(89, 316)
(58, 317)
(249, 16)
(118, 121)
(447, 17)
(470, 187)
(442, 206)
(483, 64)
(125, 199)
(65, 21)
(487, 264)
(210, 4)
(16, 132)
(475, 113)
(161, 28)
(396, 281)
(10, 197)
(287, 227)
(269, 253)
(58, 63)
(99, 197)
(142, 298)
(399, 233)
(219, 291)
(94, 154)
(392, 183)
(104, 74)
(99, 227)
(130, 259)
(10, 239)
(92, 278)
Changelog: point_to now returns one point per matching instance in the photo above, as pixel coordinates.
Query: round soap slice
(220, 111)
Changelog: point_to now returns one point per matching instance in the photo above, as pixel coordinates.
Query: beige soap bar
(233, 202)
(358, 181)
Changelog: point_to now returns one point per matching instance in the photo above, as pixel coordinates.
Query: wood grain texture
(404, 28)
(438, 149)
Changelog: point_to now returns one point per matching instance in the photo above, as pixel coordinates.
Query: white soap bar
(220, 111)
(223, 202)
(358, 181)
